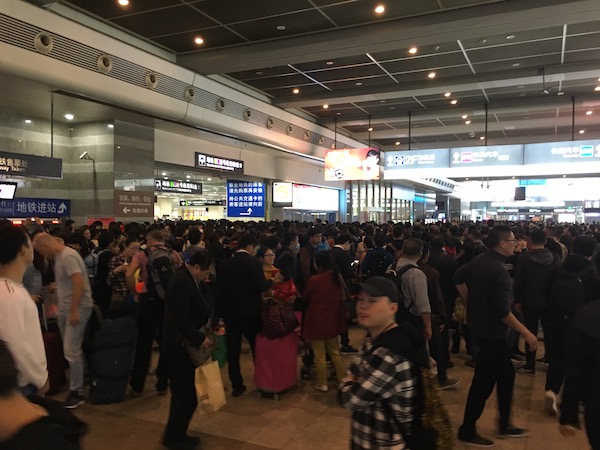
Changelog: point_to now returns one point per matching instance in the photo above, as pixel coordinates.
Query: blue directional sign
(245, 199)
(35, 207)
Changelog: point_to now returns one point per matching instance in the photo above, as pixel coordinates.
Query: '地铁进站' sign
(134, 204)
(30, 165)
(35, 207)
(245, 199)
(206, 161)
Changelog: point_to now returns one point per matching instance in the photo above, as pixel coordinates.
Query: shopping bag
(219, 354)
(209, 387)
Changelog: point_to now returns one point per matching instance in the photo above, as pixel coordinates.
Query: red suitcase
(276, 364)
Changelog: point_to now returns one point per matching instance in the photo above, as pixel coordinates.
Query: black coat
(240, 284)
(343, 262)
(186, 310)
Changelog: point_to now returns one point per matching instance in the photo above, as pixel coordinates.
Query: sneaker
(450, 383)
(526, 371)
(74, 400)
(348, 350)
(550, 403)
(513, 432)
(321, 387)
(476, 440)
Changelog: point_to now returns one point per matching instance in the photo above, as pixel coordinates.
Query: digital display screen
(352, 164)
(7, 190)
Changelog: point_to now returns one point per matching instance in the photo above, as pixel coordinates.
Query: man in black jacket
(240, 282)
(487, 286)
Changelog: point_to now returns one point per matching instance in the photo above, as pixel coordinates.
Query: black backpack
(160, 268)
(566, 295)
(379, 263)
(403, 314)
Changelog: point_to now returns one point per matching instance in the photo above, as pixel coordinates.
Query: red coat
(325, 316)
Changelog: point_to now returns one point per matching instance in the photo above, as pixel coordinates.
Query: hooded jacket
(534, 272)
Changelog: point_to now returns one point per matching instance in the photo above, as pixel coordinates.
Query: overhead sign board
(134, 204)
(30, 165)
(205, 161)
(201, 202)
(181, 187)
(417, 159)
(562, 152)
(283, 194)
(245, 199)
(495, 155)
(352, 164)
(35, 207)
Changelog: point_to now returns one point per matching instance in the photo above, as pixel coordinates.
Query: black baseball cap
(380, 287)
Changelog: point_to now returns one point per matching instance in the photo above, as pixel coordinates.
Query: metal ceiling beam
(431, 29)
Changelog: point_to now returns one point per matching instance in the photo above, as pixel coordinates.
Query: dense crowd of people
(416, 289)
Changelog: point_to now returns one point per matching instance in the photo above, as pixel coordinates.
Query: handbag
(200, 355)
(349, 302)
(278, 320)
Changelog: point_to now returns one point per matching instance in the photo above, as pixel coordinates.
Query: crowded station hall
(299, 224)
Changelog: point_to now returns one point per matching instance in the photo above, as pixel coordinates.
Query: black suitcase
(110, 359)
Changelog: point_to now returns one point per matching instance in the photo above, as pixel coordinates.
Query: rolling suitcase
(55, 359)
(276, 364)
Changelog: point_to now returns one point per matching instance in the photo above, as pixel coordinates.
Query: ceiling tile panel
(231, 11)
(289, 81)
(297, 23)
(534, 34)
(590, 40)
(213, 37)
(552, 46)
(305, 89)
(107, 10)
(365, 82)
(533, 62)
(586, 55)
(337, 63)
(363, 12)
(424, 63)
(349, 73)
(586, 27)
(263, 73)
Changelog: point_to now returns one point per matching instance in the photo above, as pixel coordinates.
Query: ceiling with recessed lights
(421, 73)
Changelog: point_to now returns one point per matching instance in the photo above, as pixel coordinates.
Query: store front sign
(496, 155)
(245, 199)
(35, 207)
(201, 202)
(30, 165)
(283, 194)
(181, 187)
(562, 152)
(352, 164)
(205, 161)
(417, 159)
(134, 204)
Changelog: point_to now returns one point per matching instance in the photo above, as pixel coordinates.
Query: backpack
(403, 314)
(566, 295)
(160, 267)
(379, 263)
(91, 264)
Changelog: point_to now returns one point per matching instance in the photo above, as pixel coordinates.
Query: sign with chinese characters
(30, 165)
(417, 159)
(181, 187)
(352, 164)
(134, 204)
(495, 155)
(201, 202)
(283, 194)
(245, 199)
(205, 161)
(35, 207)
(562, 152)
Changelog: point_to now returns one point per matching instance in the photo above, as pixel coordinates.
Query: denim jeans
(72, 336)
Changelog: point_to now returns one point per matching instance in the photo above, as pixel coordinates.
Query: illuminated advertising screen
(282, 194)
(352, 164)
(315, 198)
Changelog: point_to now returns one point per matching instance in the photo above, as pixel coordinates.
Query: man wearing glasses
(487, 286)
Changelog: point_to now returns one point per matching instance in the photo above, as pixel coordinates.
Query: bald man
(74, 307)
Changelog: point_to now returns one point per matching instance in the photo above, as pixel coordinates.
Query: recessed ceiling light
(564, 176)
(482, 137)
(453, 102)
(280, 27)
(431, 75)
(413, 50)
(522, 95)
(110, 125)
(198, 40)
(188, 176)
(165, 178)
(123, 2)
(587, 113)
(329, 63)
(69, 116)
(338, 114)
(510, 37)
(516, 64)
(296, 91)
(397, 142)
(467, 178)
(520, 87)
(259, 73)
(371, 129)
(467, 122)
(381, 101)
(597, 88)
(379, 9)
(325, 106)
(27, 120)
(359, 83)
(581, 131)
(447, 94)
(118, 146)
(464, 116)
(163, 174)
(392, 107)
(482, 41)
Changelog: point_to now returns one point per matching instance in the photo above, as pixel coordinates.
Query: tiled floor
(306, 419)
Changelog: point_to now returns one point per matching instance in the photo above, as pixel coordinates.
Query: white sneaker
(321, 387)
(550, 403)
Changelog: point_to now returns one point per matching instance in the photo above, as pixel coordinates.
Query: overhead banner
(30, 165)
(35, 207)
(417, 159)
(181, 187)
(562, 152)
(205, 161)
(494, 155)
(352, 164)
(245, 199)
(201, 202)
(283, 194)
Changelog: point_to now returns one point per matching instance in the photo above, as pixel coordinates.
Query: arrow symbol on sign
(62, 208)
(247, 213)
(126, 210)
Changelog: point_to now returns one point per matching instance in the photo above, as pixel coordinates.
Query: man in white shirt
(19, 322)
(75, 306)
